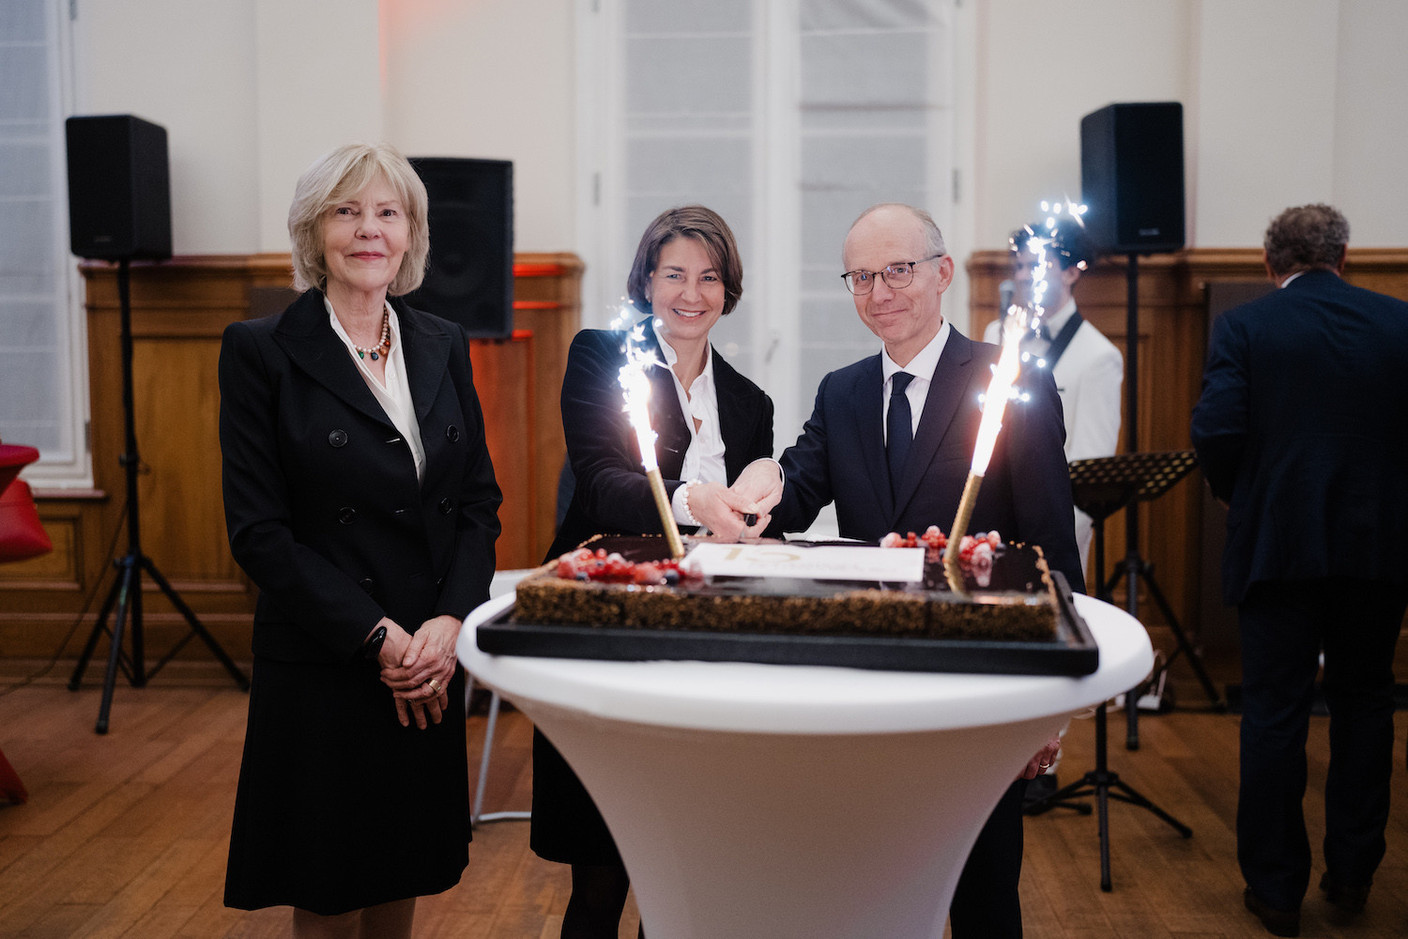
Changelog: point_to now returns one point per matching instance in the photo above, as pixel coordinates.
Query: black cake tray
(1072, 652)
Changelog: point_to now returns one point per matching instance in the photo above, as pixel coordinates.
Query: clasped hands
(418, 668)
(724, 510)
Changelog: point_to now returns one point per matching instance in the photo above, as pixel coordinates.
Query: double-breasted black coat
(339, 806)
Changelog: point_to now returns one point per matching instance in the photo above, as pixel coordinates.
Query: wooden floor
(126, 834)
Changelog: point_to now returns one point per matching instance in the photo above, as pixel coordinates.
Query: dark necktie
(899, 431)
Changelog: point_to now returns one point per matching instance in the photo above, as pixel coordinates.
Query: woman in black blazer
(710, 423)
(360, 499)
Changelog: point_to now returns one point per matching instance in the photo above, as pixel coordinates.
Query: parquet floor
(125, 834)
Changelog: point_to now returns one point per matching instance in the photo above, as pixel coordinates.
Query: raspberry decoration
(597, 565)
(972, 550)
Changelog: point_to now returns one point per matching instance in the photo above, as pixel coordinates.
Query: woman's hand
(418, 669)
(722, 511)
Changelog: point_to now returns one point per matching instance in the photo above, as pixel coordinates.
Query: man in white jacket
(1087, 367)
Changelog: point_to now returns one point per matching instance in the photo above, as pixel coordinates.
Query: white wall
(1040, 68)
(1286, 101)
(491, 79)
(252, 91)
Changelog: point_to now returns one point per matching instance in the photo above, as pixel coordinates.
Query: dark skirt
(566, 825)
(339, 807)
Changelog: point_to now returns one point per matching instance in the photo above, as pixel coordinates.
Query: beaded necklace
(381, 348)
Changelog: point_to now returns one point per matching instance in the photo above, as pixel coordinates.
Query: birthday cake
(799, 589)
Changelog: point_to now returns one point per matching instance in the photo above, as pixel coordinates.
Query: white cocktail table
(775, 801)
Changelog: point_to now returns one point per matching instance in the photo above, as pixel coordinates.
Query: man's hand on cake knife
(760, 483)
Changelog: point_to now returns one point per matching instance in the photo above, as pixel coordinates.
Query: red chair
(21, 536)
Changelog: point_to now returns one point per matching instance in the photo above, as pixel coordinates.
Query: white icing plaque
(822, 562)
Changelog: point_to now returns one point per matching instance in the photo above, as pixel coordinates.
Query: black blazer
(322, 505)
(840, 457)
(612, 495)
(1301, 429)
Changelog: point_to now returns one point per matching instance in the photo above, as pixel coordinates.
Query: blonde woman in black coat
(360, 499)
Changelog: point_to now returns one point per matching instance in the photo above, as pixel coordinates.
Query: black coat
(338, 806)
(611, 494)
(1301, 429)
(322, 504)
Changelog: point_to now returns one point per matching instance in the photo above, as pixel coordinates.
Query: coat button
(452, 434)
(347, 515)
(447, 506)
(367, 584)
(338, 438)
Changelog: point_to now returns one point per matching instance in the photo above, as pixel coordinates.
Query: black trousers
(1285, 625)
(986, 901)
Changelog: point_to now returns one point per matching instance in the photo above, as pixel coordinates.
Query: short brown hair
(688, 221)
(336, 177)
(1306, 237)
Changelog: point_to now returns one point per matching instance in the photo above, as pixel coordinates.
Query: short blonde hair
(338, 176)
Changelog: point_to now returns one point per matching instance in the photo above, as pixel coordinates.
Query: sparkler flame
(1021, 320)
(635, 392)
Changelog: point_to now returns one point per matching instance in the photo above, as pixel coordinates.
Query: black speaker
(470, 276)
(119, 188)
(1131, 174)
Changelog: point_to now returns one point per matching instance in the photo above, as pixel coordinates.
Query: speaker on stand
(470, 276)
(1132, 184)
(120, 209)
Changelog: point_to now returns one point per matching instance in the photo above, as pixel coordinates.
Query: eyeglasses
(897, 275)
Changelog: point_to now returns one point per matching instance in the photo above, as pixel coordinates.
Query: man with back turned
(1300, 430)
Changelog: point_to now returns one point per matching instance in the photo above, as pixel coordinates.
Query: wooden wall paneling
(547, 301)
(503, 370)
(179, 310)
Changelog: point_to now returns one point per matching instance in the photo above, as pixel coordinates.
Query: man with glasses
(890, 442)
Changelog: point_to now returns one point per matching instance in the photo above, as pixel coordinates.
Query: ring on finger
(434, 685)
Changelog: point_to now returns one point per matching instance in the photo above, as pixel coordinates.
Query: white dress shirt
(922, 368)
(704, 457)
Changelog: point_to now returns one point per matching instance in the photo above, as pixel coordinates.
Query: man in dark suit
(922, 394)
(1300, 429)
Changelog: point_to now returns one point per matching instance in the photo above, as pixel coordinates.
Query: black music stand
(1100, 488)
(1145, 476)
(126, 590)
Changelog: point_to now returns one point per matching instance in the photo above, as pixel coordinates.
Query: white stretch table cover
(765, 800)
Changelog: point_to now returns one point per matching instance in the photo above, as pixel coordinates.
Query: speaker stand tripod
(1100, 488)
(126, 591)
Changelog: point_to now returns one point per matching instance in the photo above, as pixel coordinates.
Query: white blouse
(395, 395)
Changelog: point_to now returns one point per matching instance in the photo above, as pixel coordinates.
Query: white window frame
(775, 317)
(71, 468)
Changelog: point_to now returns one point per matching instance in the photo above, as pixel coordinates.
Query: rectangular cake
(1008, 594)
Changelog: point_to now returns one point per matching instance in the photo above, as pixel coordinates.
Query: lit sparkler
(1017, 324)
(635, 384)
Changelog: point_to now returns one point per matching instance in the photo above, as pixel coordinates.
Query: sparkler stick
(635, 384)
